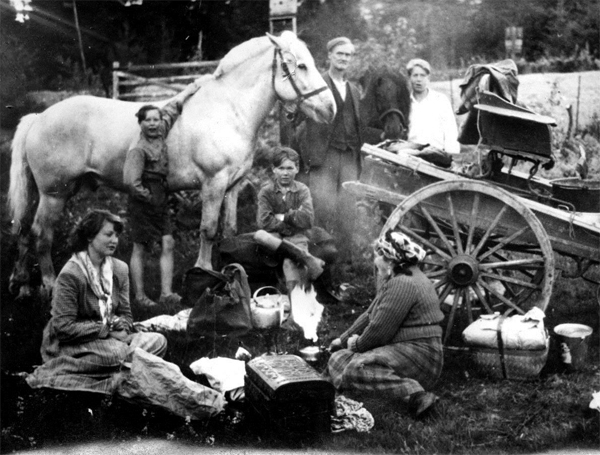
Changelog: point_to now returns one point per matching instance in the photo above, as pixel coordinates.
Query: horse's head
(386, 102)
(296, 79)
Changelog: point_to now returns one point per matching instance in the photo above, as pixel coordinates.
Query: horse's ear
(275, 40)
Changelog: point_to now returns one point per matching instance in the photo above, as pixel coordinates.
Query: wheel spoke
(489, 230)
(482, 298)
(501, 297)
(438, 230)
(515, 264)
(445, 292)
(425, 242)
(468, 305)
(505, 241)
(440, 283)
(457, 240)
(523, 271)
(507, 279)
(450, 324)
(473, 218)
(436, 273)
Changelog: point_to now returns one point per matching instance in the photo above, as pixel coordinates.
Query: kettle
(267, 309)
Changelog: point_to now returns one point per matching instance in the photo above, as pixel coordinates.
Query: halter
(394, 111)
(287, 74)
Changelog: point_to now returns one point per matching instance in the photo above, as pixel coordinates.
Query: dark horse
(385, 104)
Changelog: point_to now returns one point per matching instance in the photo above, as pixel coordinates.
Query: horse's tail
(21, 178)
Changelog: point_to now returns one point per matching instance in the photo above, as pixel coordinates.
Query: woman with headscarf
(90, 334)
(395, 346)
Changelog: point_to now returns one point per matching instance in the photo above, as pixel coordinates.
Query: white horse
(211, 146)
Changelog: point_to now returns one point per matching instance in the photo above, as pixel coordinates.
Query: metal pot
(267, 310)
(311, 353)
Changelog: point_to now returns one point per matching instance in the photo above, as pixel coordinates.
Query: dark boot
(420, 404)
(314, 265)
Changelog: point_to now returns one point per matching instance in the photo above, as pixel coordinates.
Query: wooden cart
(491, 240)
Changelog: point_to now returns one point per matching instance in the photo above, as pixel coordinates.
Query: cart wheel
(486, 251)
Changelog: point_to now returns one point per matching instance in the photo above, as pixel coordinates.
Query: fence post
(577, 112)
(115, 81)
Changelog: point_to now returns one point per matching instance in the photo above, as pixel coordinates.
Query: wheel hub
(463, 270)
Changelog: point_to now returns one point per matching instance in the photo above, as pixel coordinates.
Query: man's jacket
(314, 138)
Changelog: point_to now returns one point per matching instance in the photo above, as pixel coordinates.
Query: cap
(418, 62)
(338, 41)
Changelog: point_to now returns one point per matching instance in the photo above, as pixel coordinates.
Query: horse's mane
(249, 50)
(241, 53)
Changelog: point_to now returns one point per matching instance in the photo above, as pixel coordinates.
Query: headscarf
(337, 41)
(399, 248)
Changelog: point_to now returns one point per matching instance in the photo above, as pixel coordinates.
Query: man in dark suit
(331, 152)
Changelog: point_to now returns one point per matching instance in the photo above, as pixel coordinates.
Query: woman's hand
(352, 342)
(120, 335)
(335, 345)
(119, 324)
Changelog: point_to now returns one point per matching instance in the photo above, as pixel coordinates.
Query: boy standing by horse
(145, 174)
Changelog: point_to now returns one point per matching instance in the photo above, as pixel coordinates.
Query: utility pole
(83, 65)
(282, 15)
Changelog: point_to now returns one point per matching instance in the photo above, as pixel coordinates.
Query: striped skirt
(399, 369)
(94, 366)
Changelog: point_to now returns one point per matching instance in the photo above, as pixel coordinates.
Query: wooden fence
(156, 82)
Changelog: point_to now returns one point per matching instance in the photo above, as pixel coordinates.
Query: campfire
(306, 311)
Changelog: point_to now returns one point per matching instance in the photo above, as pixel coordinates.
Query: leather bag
(223, 309)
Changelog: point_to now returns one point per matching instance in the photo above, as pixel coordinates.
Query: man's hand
(279, 216)
(336, 345)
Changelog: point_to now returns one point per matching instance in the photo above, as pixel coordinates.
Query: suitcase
(289, 394)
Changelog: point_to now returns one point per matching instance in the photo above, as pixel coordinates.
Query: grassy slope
(535, 90)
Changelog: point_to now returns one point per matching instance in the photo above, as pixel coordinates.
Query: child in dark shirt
(285, 210)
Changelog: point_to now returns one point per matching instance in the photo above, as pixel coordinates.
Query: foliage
(389, 45)
(319, 22)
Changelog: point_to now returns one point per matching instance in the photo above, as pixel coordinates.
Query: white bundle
(525, 332)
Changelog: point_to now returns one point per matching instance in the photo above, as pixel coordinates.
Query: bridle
(289, 75)
(394, 111)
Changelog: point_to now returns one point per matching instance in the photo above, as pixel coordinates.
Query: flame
(306, 310)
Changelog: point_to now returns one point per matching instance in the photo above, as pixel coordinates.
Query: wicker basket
(518, 364)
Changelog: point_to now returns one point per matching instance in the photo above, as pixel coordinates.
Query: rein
(287, 74)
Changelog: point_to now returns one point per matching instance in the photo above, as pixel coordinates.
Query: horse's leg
(230, 203)
(20, 277)
(48, 212)
(213, 193)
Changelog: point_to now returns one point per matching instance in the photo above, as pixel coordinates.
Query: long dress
(78, 352)
(399, 349)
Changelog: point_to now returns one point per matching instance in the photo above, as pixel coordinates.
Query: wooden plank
(372, 192)
(160, 66)
(146, 96)
(166, 80)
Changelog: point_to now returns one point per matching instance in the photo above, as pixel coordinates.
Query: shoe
(420, 404)
(169, 300)
(145, 302)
